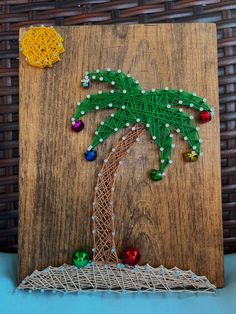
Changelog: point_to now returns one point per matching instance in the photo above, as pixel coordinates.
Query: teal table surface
(11, 302)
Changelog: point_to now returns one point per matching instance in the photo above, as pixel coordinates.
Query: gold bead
(191, 156)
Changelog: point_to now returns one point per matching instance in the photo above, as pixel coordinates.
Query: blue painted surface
(224, 302)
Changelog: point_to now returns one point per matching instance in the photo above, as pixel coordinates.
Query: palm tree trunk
(103, 215)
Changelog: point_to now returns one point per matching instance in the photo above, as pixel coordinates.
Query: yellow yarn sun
(42, 46)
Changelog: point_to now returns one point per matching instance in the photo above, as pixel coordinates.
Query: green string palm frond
(160, 110)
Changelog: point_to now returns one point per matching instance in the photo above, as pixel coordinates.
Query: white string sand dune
(115, 278)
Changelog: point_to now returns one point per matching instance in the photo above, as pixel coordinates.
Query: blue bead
(178, 273)
(148, 269)
(120, 266)
(85, 84)
(91, 155)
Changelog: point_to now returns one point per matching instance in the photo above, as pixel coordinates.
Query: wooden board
(173, 222)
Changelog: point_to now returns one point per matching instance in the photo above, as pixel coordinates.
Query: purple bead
(78, 126)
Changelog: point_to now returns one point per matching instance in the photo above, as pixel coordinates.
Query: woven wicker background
(17, 13)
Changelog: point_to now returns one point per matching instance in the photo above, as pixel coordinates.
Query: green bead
(80, 258)
(156, 175)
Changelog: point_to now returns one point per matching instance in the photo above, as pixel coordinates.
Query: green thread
(160, 110)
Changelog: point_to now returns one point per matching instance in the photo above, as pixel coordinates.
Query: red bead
(204, 116)
(130, 256)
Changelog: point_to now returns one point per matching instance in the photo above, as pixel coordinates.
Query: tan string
(100, 277)
(103, 216)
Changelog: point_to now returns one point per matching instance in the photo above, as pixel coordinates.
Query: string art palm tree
(160, 111)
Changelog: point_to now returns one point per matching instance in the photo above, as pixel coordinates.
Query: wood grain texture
(173, 222)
